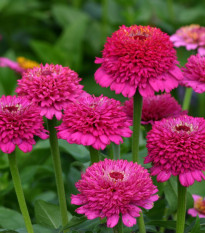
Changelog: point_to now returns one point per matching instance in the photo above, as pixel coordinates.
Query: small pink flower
(20, 121)
(176, 147)
(113, 187)
(51, 87)
(199, 207)
(155, 108)
(94, 121)
(140, 57)
(194, 73)
(6, 62)
(191, 37)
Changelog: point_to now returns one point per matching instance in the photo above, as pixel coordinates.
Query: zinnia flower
(191, 37)
(199, 207)
(155, 108)
(51, 87)
(176, 147)
(20, 121)
(113, 187)
(94, 121)
(140, 57)
(194, 73)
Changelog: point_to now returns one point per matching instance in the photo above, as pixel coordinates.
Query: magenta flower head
(113, 187)
(94, 121)
(20, 121)
(140, 57)
(155, 108)
(51, 87)
(191, 37)
(194, 73)
(176, 147)
(199, 207)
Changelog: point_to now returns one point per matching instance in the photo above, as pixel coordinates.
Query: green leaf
(167, 224)
(48, 214)
(75, 221)
(10, 219)
(196, 227)
(7, 231)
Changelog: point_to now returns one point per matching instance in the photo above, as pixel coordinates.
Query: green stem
(170, 7)
(181, 208)
(119, 227)
(116, 151)
(58, 170)
(94, 155)
(19, 191)
(137, 107)
(187, 99)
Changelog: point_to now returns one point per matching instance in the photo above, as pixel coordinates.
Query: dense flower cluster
(94, 121)
(176, 147)
(199, 207)
(20, 121)
(191, 37)
(194, 73)
(51, 87)
(140, 57)
(110, 188)
(155, 108)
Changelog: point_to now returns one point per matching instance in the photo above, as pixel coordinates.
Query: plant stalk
(119, 227)
(187, 99)
(58, 170)
(94, 155)
(116, 151)
(19, 191)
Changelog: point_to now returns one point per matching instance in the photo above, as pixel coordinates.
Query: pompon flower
(51, 87)
(155, 108)
(113, 187)
(199, 207)
(194, 73)
(94, 121)
(140, 57)
(191, 37)
(176, 147)
(20, 121)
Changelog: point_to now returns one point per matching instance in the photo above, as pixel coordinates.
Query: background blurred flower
(138, 57)
(6, 62)
(113, 187)
(51, 87)
(191, 37)
(20, 121)
(176, 147)
(94, 121)
(199, 207)
(155, 108)
(194, 73)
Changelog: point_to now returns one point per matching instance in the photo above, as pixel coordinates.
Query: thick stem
(19, 191)
(119, 227)
(116, 151)
(181, 208)
(137, 112)
(94, 155)
(137, 107)
(58, 170)
(187, 99)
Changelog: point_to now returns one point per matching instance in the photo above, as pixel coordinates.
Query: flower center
(182, 128)
(46, 72)
(11, 108)
(116, 175)
(200, 205)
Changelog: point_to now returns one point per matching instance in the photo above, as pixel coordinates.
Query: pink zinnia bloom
(191, 37)
(113, 187)
(155, 108)
(51, 87)
(94, 121)
(199, 207)
(176, 147)
(194, 73)
(6, 62)
(20, 121)
(140, 57)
